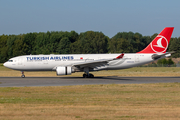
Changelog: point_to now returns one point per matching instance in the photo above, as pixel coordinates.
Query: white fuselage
(50, 62)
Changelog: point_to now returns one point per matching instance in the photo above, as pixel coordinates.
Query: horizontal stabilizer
(155, 56)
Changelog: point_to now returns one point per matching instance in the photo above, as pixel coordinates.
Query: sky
(107, 16)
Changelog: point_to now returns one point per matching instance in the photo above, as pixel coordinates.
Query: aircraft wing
(96, 63)
(155, 56)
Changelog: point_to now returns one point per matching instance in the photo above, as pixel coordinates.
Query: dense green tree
(10, 42)
(90, 42)
(112, 45)
(153, 36)
(29, 41)
(175, 46)
(127, 42)
(73, 36)
(64, 46)
(123, 46)
(17, 48)
(162, 61)
(170, 62)
(165, 62)
(3, 48)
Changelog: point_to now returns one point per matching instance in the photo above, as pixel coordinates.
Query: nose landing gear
(23, 76)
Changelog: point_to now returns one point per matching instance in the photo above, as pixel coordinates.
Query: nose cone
(5, 64)
(8, 65)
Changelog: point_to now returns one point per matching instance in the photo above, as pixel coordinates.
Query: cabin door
(136, 58)
(20, 61)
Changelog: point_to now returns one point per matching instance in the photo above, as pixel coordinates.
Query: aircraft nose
(5, 64)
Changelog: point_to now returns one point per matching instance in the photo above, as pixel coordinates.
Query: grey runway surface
(66, 81)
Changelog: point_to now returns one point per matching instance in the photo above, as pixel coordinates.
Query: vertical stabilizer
(160, 43)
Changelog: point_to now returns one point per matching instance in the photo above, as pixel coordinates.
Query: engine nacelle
(63, 70)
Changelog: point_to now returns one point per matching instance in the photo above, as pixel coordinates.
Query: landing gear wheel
(88, 76)
(23, 76)
(91, 75)
(85, 76)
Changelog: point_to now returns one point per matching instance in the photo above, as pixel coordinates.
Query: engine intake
(63, 70)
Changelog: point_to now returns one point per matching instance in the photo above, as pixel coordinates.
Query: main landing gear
(23, 76)
(88, 75)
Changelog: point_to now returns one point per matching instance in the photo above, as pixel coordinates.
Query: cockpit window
(10, 60)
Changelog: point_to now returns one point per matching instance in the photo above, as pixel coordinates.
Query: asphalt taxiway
(66, 81)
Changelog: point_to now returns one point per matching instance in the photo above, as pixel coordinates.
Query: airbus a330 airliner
(65, 64)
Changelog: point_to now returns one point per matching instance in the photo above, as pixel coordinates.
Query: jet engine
(63, 70)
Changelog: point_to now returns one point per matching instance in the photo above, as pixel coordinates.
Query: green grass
(90, 102)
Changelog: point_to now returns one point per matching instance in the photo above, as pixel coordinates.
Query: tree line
(60, 42)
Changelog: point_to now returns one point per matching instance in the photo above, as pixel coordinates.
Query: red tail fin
(160, 43)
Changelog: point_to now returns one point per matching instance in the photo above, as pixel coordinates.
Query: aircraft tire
(88, 76)
(84, 76)
(91, 75)
(23, 76)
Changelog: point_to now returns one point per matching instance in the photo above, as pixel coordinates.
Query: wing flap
(92, 63)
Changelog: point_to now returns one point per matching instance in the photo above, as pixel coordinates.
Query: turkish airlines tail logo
(160, 43)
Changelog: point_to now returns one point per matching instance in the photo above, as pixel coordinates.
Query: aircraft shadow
(98, 78)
